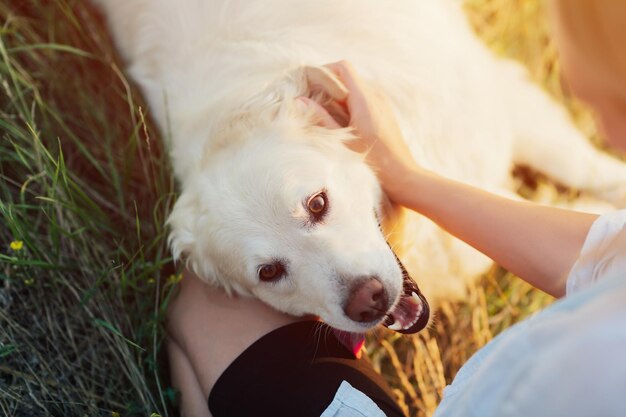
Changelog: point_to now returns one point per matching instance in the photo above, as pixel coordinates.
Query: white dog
(278, 208)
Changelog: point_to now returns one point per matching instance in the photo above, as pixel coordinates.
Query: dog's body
(221, 77)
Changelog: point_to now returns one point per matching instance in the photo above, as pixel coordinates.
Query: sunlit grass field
(85, 187)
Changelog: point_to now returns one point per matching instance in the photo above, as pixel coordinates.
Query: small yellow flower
(17, 245)
(173, 279)
(150, 281)
(29, 281)
(115, 414)
(155, 415)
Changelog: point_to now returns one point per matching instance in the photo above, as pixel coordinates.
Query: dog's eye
(271, 272)
(317, 205)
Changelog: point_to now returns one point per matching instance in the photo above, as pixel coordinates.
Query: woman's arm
(537, 243)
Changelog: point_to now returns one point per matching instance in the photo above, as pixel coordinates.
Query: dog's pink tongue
(353, 341)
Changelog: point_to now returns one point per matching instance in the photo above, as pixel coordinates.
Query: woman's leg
(207, 330)
(193, 402)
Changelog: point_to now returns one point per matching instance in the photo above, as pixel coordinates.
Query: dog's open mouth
(411, 312)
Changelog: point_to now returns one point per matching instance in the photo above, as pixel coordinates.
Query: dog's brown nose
(367, 301)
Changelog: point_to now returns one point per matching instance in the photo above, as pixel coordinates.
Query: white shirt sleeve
(602, 254)
(350, 402)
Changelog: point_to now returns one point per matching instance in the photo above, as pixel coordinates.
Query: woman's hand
(378, 134)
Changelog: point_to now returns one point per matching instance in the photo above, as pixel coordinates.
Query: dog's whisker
(391, 234)
(393, 245)
(319, 329)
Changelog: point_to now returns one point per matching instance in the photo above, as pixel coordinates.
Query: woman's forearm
(537, 243)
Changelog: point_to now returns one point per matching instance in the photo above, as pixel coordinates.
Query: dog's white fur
(221, 77)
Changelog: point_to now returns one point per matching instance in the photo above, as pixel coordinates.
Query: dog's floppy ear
(184, 242)
(314, 82)
(327, 90)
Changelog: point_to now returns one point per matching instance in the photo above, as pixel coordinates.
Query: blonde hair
(591, 35)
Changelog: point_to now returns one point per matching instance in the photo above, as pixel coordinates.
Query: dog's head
(281, 209)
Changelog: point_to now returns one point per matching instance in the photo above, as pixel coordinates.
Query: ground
(85, 274)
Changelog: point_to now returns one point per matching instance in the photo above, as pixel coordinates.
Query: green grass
(86, 186)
